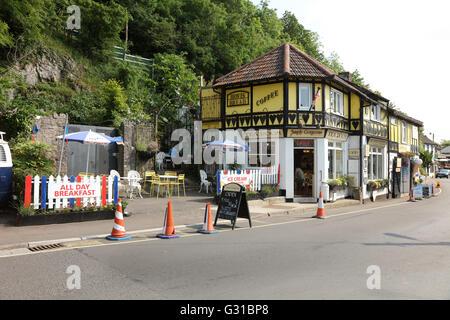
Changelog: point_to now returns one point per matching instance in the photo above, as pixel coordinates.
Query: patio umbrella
(90, 137)
(226, 145)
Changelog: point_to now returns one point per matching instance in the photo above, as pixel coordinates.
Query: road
(281, 257)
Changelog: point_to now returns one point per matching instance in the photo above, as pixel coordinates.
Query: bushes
(29, 159)
(377, 184)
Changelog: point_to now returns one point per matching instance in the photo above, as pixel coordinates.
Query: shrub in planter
(269, 190)
(372, 185)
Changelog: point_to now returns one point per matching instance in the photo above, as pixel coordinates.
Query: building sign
(377, 143)
(266, 98)
(238, 98)
(336, 135)
(306, 133)
(353, 153)
(73, 190)
(403, 148)
(210, 107)
(303, 143)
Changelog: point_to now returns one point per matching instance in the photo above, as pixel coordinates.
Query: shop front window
(375, 164)
(335, 160)
(263, 155)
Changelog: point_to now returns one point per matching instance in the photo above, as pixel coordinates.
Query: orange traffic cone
(208, 227)
(438, 185)
(118, 231)
(168, 228)
(320, 210)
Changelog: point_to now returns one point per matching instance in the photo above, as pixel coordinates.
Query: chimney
(346, 75)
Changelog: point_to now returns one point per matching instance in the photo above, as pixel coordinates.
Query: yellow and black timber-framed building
(328, 126)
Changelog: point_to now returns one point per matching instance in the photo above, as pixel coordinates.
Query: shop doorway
(304, 170)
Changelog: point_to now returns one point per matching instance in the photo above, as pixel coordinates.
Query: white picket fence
(251, 179)
(38, 194)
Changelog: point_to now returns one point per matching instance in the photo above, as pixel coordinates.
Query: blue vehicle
(5, 171)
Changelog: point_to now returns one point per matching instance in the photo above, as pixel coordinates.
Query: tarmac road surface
(397, 250)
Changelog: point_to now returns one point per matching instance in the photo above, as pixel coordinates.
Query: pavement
(147, 215)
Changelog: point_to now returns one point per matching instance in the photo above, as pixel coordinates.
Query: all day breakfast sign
(73, 190)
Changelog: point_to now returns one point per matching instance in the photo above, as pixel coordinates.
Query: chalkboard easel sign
(233, 204)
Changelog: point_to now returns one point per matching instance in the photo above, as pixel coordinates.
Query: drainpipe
(361, 155)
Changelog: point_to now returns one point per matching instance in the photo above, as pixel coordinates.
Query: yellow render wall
(355, 104)
(210, 125)
(384, 117)
(292, 96)
(268, 97)
(237, 109)
(394, 134)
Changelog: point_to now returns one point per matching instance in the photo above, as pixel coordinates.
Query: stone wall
(129, 158)
(49, 128)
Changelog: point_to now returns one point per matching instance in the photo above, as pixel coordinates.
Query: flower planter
(64, 217)
(337, 193)
(377, 192)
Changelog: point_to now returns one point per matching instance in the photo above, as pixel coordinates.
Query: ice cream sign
(73, 190)
(244, 178)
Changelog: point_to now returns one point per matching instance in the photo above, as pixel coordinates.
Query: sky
(401, 48)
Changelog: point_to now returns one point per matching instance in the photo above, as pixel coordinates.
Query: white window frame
(333, 107)
(394, 121)
(375, 152)
(404, 131)
(375, 113)
(259, 153)
(332, 146)
(304, 85)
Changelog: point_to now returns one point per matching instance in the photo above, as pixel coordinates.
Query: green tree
(426, 157)
(174, 85)
(445, 143)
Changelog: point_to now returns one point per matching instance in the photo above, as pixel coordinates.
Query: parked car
(443, 173)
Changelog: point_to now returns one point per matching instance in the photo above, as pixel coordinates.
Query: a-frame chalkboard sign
(233, 204)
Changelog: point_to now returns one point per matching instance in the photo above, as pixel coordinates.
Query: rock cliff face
(49, 67)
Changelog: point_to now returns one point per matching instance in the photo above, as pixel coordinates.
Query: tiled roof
(284, 60)
(404, 116)
(426, 140)
(269, 65)
(446, 150)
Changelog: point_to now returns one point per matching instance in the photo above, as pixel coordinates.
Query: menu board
(233, 204)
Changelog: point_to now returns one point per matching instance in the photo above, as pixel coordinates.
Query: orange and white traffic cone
(320, 210)
(208, 227)
(118, 231)
(168, 227)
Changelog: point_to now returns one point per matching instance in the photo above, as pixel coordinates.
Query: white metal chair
(133, 183)
(160, 160)
(121, 186)
(204, 181)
